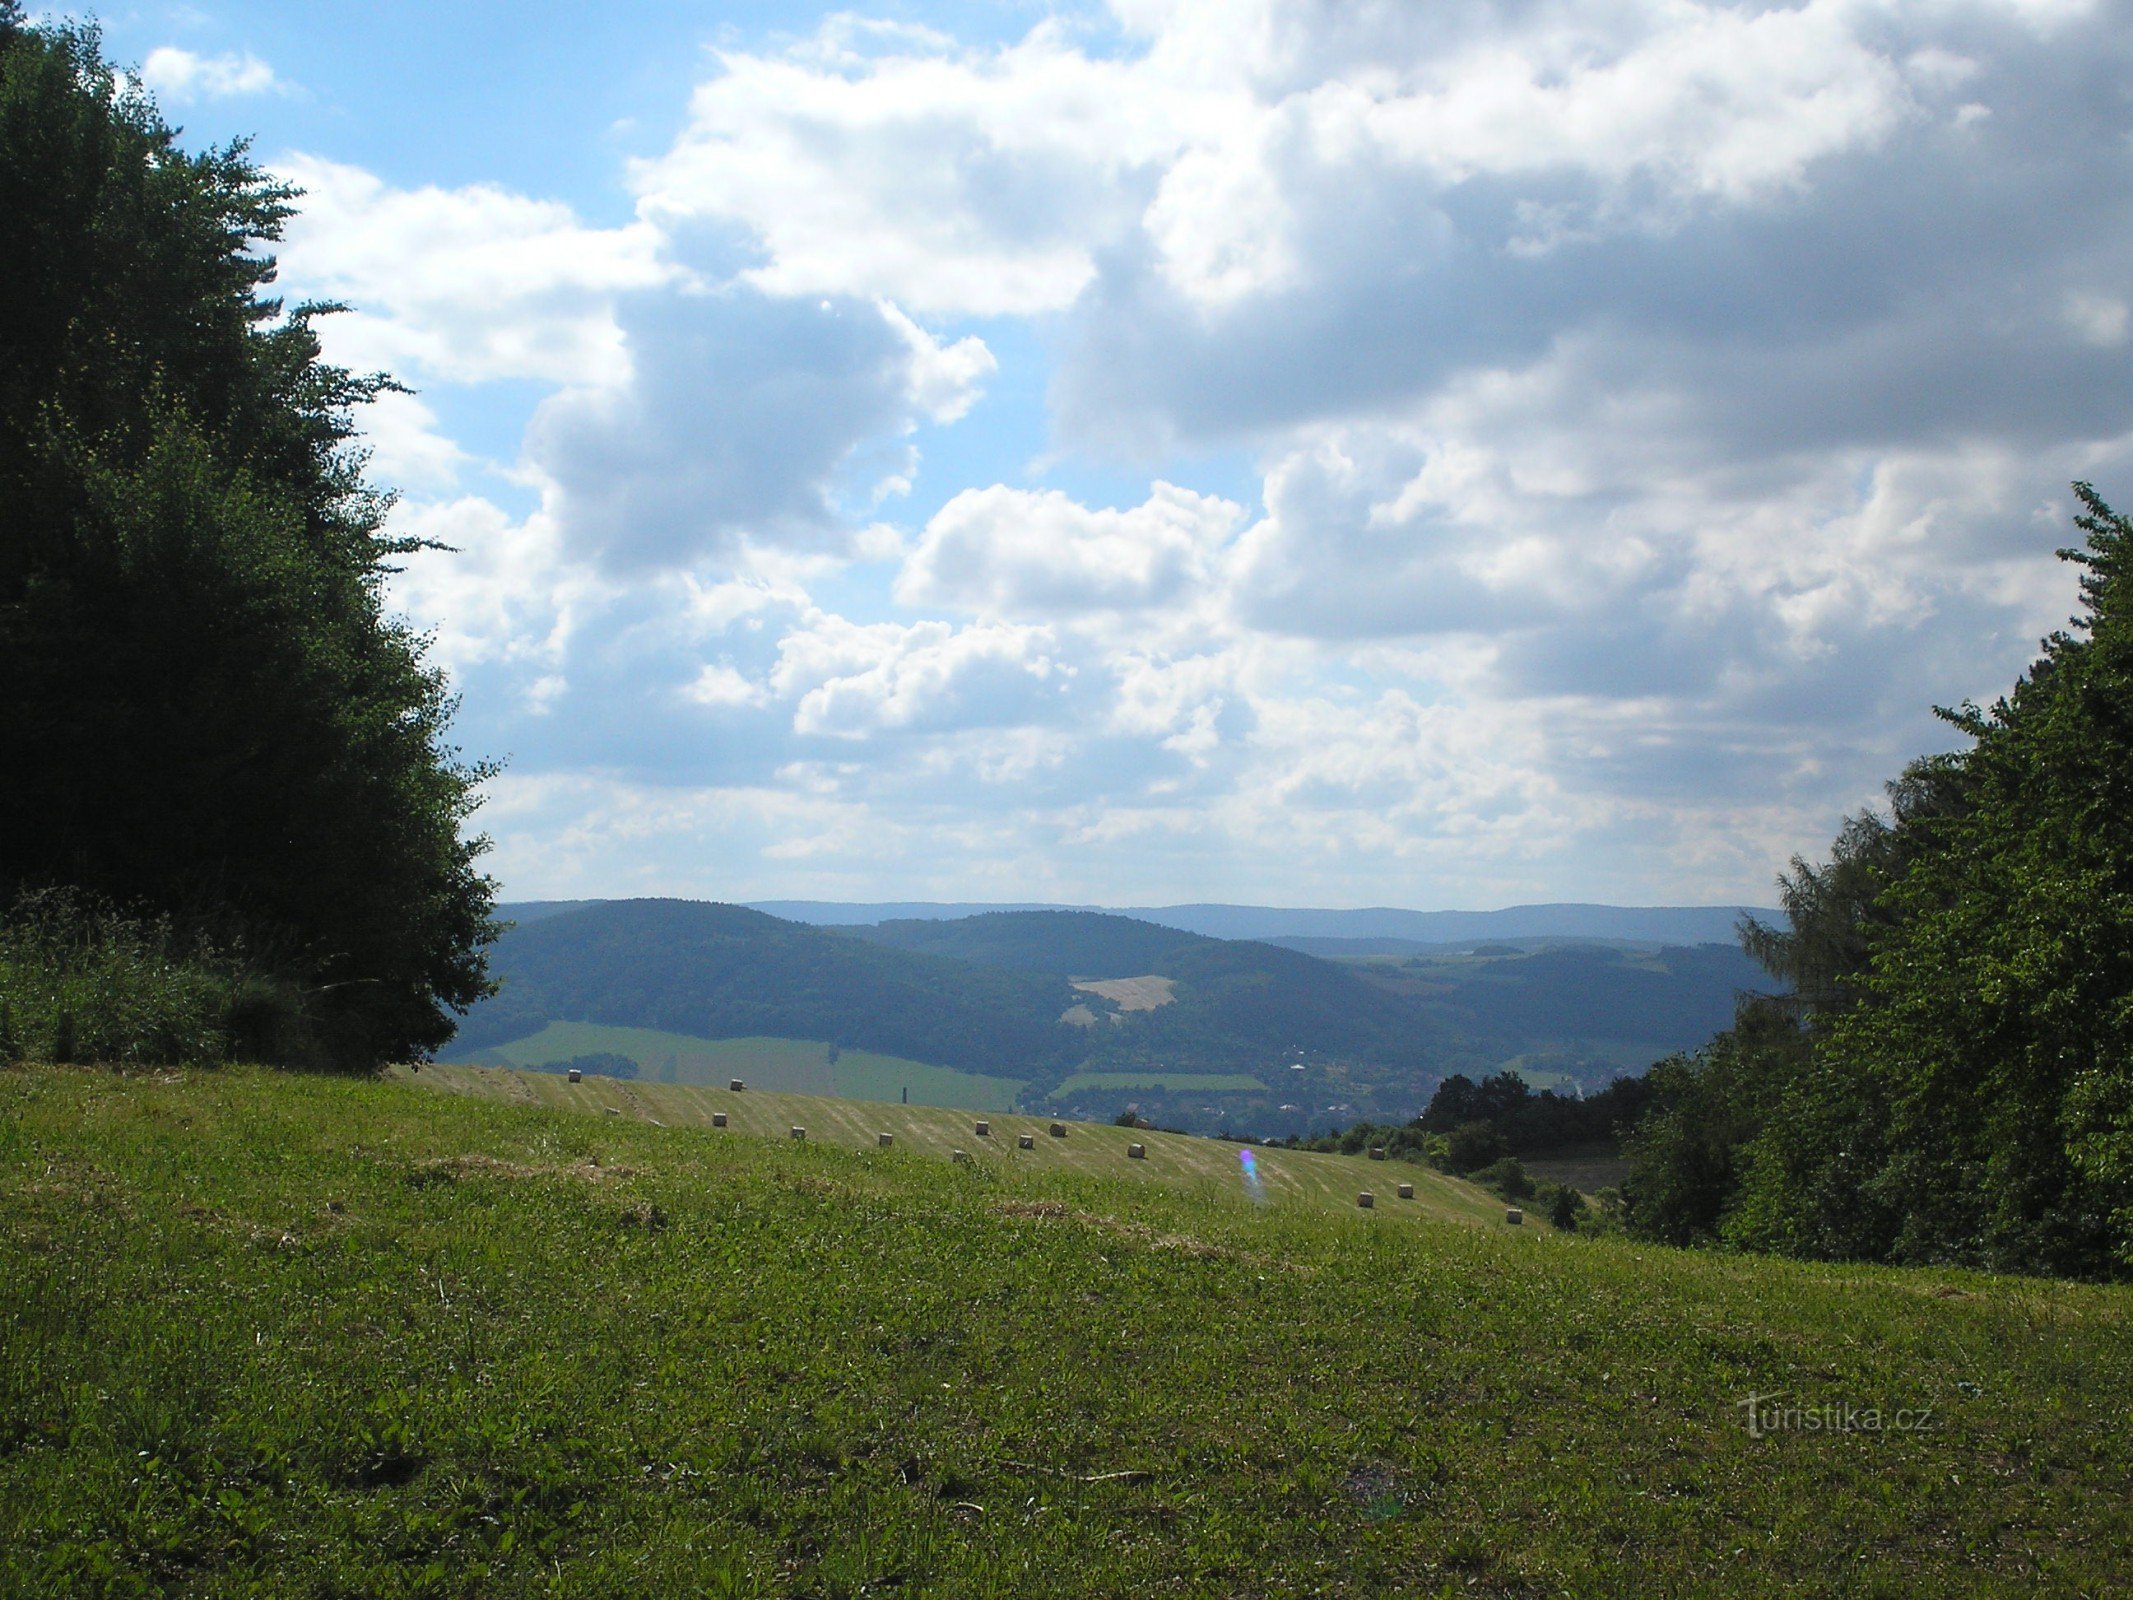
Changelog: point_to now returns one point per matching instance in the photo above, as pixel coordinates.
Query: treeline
(231, 800)
(1467, 1124)
(1951, 1080)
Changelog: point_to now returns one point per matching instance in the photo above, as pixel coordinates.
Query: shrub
(80, 980)
(1566, 1207)
(1507, 1177)
(1473, 1145)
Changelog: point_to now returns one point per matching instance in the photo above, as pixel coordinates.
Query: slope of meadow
(272, 1334)
(797, 1066)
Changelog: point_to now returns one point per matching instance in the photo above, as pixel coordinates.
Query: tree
(207, 711)
(1951, 1079)
(1994, 1038)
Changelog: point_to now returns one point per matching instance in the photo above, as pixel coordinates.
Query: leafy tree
(1974, 1106)
(207, 711)
(1952, 1080)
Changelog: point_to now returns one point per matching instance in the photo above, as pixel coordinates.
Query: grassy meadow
(793, 1066)
(281, 1335)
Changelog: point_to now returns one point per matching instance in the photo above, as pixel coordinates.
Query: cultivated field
(1201, 1168)
(1133, 994)
(792, 1066)
(264, 1334)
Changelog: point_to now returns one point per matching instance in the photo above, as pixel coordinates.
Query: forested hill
(1070, 944)
(720, 971)
(985, 994)
(991, 993)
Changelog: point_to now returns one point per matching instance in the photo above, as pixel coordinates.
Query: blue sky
(1276, 451)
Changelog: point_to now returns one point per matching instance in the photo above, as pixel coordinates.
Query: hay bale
(1407, 1191)
(576, 1076)
(1514, 1216)
(1377, 1152)
(611, 1111)
(884, 1140)
(799, 1133)
(1058, 1130)
(960, 1155)
(736, 1086)
(1366, 1200)
(1027, 1141)
(718, 1119)
(1136, 1152)
(984, 1129)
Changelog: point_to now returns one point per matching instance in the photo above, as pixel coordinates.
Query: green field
(265, 1334)
(790, 1066)
(1206, 1169)
(1170, 1082)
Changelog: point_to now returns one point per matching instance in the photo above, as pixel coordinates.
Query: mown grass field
(1202, 1169)
(275, 1335)
(793, 1066)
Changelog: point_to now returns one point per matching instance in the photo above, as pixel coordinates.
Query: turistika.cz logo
(1773, 1413)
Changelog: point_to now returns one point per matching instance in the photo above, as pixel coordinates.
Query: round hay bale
(718, 1119)
(1366, 1200)
(1407, 1191)
(799, 1133)
(576, 1076)
(1514, 1216)
(1058, 1130)
(736, 1086)
(884, 1140)
(1027, 1141)
(983, 1129)
(1136, 1152)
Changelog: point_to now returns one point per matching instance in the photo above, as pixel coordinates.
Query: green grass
(267, 1334)
(1175, 1082)
(791, 1066)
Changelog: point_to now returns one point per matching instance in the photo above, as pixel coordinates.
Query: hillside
(718, 971)
(266, 1332)
(1080, 944)
(1220, 1034)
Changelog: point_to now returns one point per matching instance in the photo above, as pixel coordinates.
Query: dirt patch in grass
(449, 1168)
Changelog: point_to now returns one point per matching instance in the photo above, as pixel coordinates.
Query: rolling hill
(722, 972)
(320, 1337)
(1115, 1012)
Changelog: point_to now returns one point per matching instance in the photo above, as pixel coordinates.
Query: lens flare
(1252, 1185)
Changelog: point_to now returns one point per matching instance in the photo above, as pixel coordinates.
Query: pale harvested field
(1133, 994)
(1291, 1178)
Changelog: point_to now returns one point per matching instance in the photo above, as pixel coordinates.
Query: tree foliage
(207, 711)
(1956, 1082)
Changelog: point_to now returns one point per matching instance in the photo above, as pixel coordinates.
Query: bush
(1507, 1177)
(1474, 1145)
(82, 981)
(1565, 1207)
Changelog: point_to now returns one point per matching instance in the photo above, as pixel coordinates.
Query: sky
(1296, 452)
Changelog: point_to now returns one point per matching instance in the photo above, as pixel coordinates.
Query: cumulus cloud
(463, 285)
(1652, 411)
(183, 75)
(1014, 552)
(743, 415)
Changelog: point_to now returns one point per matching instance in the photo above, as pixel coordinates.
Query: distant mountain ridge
(1674, 925)
(1246, 1028)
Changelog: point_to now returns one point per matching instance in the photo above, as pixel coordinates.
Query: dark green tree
(206, 709)
(1974, 1105)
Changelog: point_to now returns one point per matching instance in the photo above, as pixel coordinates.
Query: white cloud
(1021, 553)
(462, 285)
(183, 75)
(853, 680)
(1654, 411)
